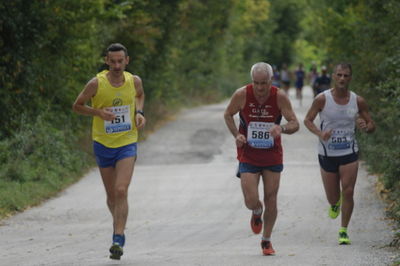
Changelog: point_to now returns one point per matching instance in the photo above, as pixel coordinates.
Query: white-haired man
(258, 139)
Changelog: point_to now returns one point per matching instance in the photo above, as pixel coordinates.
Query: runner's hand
(240, 140)
(275, 131)
(140, 121)
(325, 135)
(107, 114)
(362, 124)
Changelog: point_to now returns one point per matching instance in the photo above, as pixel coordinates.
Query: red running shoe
(267, 248)
(256, 223)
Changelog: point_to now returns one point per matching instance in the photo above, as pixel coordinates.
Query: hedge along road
(186, 208)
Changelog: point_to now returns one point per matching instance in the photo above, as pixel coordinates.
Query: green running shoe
(334, 210)
(343, 238)
(116, 250)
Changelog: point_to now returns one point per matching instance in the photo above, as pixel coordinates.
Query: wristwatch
(140, 112)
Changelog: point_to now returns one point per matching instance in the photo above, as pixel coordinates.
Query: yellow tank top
(122, 130)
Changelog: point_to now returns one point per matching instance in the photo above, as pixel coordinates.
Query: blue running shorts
(249, 168)
(108, 157)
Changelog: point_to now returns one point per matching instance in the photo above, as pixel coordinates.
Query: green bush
(38, 161)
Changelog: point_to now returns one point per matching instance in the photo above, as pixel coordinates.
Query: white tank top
(342, 120)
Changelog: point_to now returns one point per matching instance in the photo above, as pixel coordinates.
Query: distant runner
(117, 100)
(285, 79)
(299, 83)
(258, 140)
(313, 75)
(276, 79)
(338, 109)
(323, 82)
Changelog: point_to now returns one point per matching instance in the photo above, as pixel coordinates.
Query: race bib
(258, 135)
(122, 121)
(340, 139)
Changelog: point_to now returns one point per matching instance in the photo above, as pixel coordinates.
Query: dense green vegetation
(186, 52)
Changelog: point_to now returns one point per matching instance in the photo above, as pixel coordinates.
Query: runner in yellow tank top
(117, 109)
(121, 100)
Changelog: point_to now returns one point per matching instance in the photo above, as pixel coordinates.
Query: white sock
(258, 211)
(266, 238)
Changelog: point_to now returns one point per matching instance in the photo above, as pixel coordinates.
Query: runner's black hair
(115, 47)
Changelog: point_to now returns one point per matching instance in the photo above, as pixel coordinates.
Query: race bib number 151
(122, 121)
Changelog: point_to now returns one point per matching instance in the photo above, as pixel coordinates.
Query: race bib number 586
(122, 121)
(258, 135)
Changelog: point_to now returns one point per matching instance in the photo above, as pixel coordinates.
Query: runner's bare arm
(287, 111)
(316, 107)
(365, 123)
(140, 119)
(235, 105)
(86, 94)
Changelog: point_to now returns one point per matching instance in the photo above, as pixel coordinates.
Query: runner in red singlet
(259, 151)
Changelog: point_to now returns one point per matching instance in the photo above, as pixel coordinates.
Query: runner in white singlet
(339, 109)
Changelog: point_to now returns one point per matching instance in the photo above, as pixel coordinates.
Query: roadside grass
(37, 162)
(42, 181)
(16, 196)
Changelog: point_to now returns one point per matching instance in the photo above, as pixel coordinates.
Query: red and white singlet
(256, 119)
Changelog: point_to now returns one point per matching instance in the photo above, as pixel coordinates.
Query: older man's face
(261, 82)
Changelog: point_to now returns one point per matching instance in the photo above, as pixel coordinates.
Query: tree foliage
(181, 48)
(185, 51)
